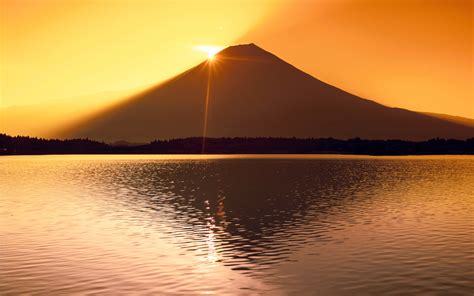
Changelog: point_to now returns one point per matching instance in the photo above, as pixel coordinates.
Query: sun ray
(206, 108)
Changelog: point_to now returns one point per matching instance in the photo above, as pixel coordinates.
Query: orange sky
(56, 49)
(414, 54)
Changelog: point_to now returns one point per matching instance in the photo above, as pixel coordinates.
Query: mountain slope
(454, 119)
(253, 93)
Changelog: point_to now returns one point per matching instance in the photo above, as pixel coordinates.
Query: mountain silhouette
(253, 93)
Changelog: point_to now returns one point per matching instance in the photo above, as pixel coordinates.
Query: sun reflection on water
(220, 224)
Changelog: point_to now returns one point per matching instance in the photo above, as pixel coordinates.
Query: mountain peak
(252, 93)
(250, 50)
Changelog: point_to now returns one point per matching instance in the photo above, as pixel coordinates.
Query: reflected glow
(133, 221)
(212, 255)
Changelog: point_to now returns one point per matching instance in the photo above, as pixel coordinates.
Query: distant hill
(253, 93)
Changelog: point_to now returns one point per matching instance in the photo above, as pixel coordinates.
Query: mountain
(253, 93)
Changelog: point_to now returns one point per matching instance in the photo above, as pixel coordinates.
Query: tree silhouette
(20, 145)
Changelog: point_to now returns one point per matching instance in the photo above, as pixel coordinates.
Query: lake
(237, 225)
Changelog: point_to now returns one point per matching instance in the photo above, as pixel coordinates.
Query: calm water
(298, 225)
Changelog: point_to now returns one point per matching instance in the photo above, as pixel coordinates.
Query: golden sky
(57, 49)
(415, 54)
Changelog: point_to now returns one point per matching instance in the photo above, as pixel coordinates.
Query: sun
(210, 50)
(210, 56)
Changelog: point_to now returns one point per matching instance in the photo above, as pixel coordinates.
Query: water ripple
(237, 226)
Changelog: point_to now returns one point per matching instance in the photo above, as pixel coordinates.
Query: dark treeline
(27, 145)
